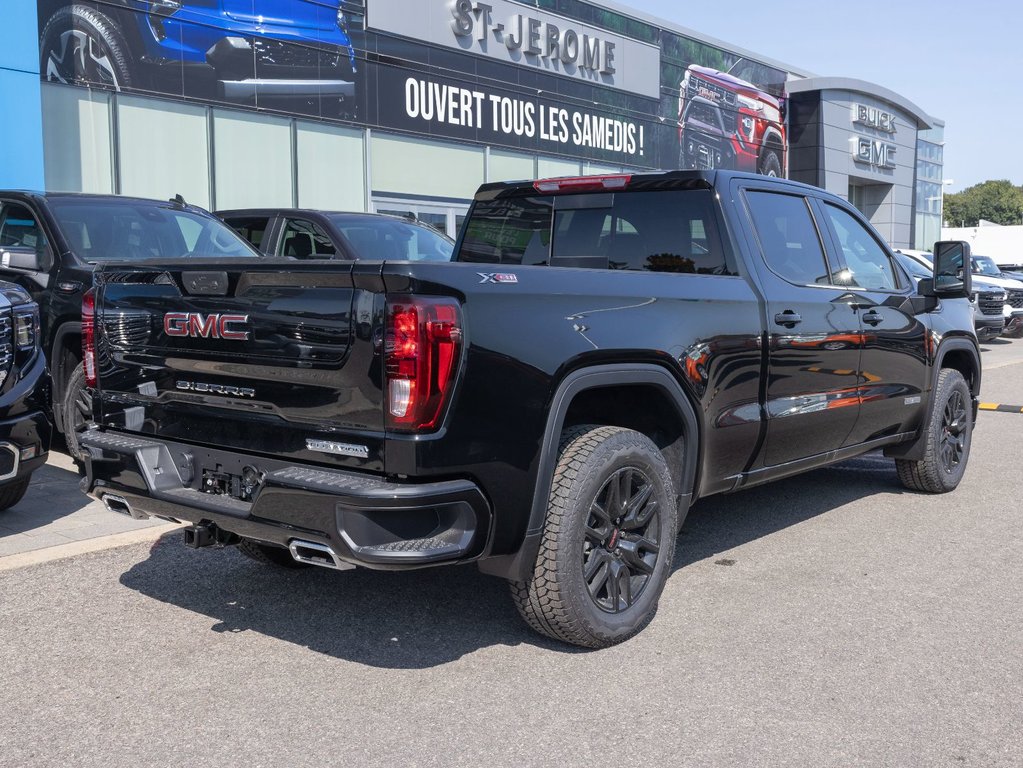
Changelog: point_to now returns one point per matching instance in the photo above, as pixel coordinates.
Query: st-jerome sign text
(534, 36)
(522, 36)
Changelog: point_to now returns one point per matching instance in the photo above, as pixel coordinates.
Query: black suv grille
(990, 303)
(6, 348)
(1016, 298)
(700, 87)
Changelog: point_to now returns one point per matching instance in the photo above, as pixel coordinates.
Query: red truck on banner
(727, 122)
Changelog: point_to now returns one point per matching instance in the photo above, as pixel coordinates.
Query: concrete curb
(72, 549)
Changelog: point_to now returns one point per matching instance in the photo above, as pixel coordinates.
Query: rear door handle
(788, 318)
(873, 318)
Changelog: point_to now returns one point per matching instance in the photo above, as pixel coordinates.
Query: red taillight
(424, 341)
(582, 183)
(89, 336)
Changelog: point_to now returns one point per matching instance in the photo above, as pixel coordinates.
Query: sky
(958, 61)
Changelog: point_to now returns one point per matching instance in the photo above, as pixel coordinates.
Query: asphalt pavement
(832, 619)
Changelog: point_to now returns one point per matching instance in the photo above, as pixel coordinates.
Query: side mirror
(951, 280)
(21, 259)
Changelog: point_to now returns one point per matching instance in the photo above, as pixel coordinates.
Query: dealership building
(409, 105)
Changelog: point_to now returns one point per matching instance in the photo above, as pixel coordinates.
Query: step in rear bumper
(365, 519)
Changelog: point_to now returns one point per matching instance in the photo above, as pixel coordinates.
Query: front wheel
(608, 539)
(770, 165)
(11, 494)
(949, 434)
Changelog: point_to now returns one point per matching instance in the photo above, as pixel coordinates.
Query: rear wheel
(608, 540)
(77, 409)
(12, 494)
(949, 434)
(268, 554)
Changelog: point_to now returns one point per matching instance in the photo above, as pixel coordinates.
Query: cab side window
(868, 264)
(19, 229)
(788, 237)
(302, 239)
(252, 228)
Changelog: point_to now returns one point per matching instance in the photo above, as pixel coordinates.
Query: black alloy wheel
(953, 427)
(606, 549)
(621, 546)
(947, 434)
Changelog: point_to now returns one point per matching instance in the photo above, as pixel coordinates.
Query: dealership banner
(602, 87)
(445, 108)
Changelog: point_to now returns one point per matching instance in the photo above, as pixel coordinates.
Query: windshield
(914, 267)
(985, 265)
(380, 237)
(126, 230)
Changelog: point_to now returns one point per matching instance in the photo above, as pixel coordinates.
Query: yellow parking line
(1001, 408)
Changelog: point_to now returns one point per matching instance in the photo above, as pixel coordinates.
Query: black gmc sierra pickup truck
(607, 351)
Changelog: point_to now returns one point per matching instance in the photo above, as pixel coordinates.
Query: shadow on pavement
(435, 616)
(721, 523)
(53, 494)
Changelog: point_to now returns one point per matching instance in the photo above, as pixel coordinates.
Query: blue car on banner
(273, 53)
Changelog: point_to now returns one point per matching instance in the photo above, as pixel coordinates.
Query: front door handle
(788, 319)
(873, 318)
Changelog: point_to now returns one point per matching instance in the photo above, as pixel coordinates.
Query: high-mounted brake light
(89, 336)
(582, 183)
(422, 348)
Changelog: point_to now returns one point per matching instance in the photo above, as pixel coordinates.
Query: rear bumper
(363, 519)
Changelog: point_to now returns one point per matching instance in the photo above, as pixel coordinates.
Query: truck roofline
(652, 180)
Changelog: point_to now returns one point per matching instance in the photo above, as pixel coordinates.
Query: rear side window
(668, 231)
(252, 228)
(788, 237)
(304, 240)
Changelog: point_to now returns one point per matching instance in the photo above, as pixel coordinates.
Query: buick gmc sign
(513, 33)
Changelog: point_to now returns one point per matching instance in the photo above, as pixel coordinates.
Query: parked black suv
(61, 237)
(303, 233)
(24, 428)
(607, 351)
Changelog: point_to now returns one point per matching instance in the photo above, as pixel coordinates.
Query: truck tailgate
(252, 356)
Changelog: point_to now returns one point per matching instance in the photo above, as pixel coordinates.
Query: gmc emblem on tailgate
(197, 326)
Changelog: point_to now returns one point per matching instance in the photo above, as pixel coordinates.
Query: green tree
(998, 201)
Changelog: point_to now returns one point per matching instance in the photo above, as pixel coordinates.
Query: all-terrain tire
(949, 434)
(770, 164)
(11, 494)
(268, 554)
(77, 410)
(81, 45)
(556, 601)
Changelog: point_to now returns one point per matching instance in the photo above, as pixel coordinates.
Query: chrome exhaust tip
(317, 554)
(120, 505)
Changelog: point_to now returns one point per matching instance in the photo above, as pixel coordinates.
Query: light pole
(941, 204)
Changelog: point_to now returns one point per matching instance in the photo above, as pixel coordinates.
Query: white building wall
(1003, 244)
